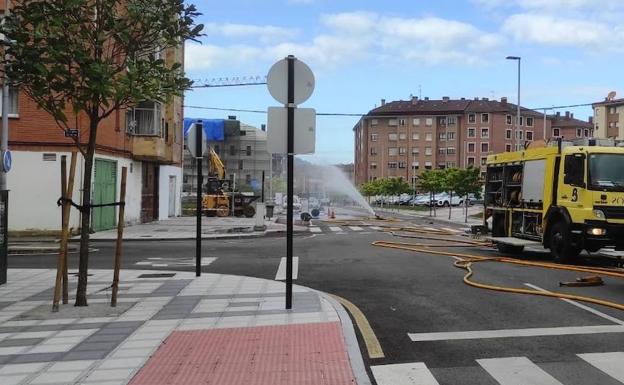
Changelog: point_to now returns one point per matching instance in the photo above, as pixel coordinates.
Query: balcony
(144, 124)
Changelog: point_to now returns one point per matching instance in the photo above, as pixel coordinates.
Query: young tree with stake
(91, 58)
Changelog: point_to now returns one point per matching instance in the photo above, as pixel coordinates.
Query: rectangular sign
(305, 130)
(71, 133)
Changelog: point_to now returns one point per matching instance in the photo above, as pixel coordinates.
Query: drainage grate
(157, 275)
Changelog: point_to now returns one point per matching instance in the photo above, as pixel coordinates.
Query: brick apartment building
(402, 138)
(609, 118)
(569, 128)
(147, 140)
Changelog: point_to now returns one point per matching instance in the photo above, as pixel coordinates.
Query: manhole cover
(157, 275)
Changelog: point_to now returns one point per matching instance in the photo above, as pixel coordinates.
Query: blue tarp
(213, 128)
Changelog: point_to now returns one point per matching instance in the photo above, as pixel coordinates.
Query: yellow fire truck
(568, 198)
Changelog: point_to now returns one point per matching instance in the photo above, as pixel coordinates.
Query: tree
(468, 182)
(431, 181)
(278, 185)
(91, 58)
(369, 189)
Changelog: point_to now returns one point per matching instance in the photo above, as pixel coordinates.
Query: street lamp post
(515, 135)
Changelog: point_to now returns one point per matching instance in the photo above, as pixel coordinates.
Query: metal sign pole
(290, 183)
(199, 129)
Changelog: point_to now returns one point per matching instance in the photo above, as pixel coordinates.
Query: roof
(608, 102)
(447, 106)
(562, 122)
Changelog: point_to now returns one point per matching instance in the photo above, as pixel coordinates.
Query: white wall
(35, 186)
(163, 191)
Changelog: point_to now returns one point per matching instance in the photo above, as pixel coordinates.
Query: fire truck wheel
(222, 211)
(560, 245)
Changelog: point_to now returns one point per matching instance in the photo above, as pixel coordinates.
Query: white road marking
(580, 305)
(506, 333)
(429, 229)
(335, 228)
(517, 371)
(376, 228)
(164, 262)
(356, 228)
(414, 373)
(281, 269)
(610, 363)
(449, 229)
(315, 230)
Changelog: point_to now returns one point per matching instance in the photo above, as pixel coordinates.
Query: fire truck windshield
(606, 172)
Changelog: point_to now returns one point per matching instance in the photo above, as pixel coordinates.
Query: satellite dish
(611, 95)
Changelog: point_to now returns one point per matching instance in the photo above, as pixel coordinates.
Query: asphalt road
(403, 292)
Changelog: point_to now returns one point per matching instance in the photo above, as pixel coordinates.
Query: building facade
(609, 118)
(569, 128)
(147, 140)
(244, 154)
(403, 138)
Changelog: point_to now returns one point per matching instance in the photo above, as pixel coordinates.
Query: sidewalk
(184, 228)
(174, 328)
(457, 214)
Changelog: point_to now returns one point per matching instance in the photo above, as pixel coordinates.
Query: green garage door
(104, 191)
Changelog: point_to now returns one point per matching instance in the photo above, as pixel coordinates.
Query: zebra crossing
(328, 228)
(590, 368)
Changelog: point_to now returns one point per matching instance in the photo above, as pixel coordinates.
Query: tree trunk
(85, 226)
(450, 203)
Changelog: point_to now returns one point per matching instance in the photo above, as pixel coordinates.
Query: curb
(267, 234)
(353, 347)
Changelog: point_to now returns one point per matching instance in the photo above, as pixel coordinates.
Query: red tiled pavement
(304, 354)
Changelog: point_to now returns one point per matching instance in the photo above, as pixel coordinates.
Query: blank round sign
(277, 81)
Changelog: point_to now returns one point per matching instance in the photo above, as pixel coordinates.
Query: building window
(415, 150)
(416, 121)
(442, 150)
(441, 166)
(451, 164)
(529, 135)
(374, 122)
(483, 160)
(373, 166)
(392, 136)
(471, 147)
(392, 164)
(392, 122)
(485, 132)
(402, 150)
(374, 137)
(472, 118)
(402, 136)
(401, 122)
(471, 161)
(428, 122)
(415, 165)
(427, 150)
(248, 179)
(520, 135)
(248, 151)
(232, 150)
(508, 134)
(373, 151)
(612, 110)
(442, 136)
(485, 147)
(579, 133)
(450, 120)
(472, 132)
(586, 133)
(485, 118)
(508, 119)
(450, 136)
(428, 137)
(393, 151)
(556, 132)
(529, 122)
(402, 164)
(508, 147)
(450, 151)
(241, 164)
(13, 101)
(415, 136)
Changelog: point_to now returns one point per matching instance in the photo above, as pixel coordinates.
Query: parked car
(422, 200)
(296, 203)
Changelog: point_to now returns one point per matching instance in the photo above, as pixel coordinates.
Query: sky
(362, 51)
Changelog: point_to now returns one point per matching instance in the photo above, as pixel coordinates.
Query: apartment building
(147, 140)
(244, 153)
(568, 127)
(402, 138)
(609, 118)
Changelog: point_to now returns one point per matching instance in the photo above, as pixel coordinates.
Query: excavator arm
(217, 168)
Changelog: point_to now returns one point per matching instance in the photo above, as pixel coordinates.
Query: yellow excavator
(219, 196)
